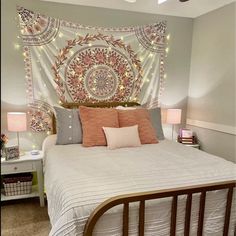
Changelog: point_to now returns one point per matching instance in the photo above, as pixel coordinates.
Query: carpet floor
(24, 218)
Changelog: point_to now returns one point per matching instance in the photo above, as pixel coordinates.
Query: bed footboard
(174, 193)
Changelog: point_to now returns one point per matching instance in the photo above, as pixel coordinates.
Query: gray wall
(212, 80)
(13, 77)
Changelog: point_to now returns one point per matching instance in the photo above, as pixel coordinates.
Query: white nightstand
(193, 145)
(26, 163)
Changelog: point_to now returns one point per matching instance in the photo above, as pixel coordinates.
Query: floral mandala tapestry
(69, 62)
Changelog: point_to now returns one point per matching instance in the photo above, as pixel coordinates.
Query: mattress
(78, 179)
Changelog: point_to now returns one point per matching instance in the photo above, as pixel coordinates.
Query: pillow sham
(69, 130)
(122, 137)
(155, 116)
(141, 118)
(93, 119)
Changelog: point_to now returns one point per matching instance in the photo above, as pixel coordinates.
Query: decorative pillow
(122, 137)
(93, 119)
(155, 115)
(141, 118)
(69, 130)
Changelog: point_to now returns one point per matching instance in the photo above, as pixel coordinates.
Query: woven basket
(17, 184)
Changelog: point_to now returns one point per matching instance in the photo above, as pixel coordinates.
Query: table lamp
(16, 122)
(173, 117)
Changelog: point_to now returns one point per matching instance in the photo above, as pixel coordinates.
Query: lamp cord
(18, 140)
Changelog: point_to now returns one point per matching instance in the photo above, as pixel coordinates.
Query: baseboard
(212, 126)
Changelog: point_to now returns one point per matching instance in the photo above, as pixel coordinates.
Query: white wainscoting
(213, 126)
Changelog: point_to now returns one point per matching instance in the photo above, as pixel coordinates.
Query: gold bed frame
(142, 197)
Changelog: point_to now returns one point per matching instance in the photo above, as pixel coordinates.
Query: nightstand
(193, 145)
(26, 163)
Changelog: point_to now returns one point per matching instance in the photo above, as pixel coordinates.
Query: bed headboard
(100, 104)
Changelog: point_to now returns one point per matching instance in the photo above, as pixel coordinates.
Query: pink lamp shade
(173, 116)
(16, 121)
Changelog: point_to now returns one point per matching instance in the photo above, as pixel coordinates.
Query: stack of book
(185, 140)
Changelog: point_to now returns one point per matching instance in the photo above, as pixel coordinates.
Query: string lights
(60, 35)
(29, 89)
(17, 46)
(121, 87)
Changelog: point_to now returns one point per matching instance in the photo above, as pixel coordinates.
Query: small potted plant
(4, 140)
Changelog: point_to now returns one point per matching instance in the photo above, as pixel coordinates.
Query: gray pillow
(69, 130)
(155, 115)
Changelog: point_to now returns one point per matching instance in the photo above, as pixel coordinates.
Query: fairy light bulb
(16, 46)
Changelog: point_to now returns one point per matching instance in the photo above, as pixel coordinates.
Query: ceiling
(192, 8)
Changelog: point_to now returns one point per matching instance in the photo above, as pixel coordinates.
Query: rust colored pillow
(93, 119)
(141, 118)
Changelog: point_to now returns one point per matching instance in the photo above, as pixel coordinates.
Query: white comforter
(78, 179)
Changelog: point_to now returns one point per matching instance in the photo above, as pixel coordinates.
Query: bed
(155, 189)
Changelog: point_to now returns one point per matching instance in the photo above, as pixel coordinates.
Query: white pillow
(122, 137)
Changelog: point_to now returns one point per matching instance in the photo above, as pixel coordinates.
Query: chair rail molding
(212, 126)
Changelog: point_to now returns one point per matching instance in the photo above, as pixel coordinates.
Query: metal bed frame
(125, 200)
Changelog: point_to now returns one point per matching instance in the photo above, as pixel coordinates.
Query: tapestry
(70, 62)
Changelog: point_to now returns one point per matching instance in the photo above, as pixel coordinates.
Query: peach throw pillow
(141, 118)
(122, 137)
(93, 119)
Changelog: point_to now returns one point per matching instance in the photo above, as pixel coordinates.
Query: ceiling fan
(159, 1)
